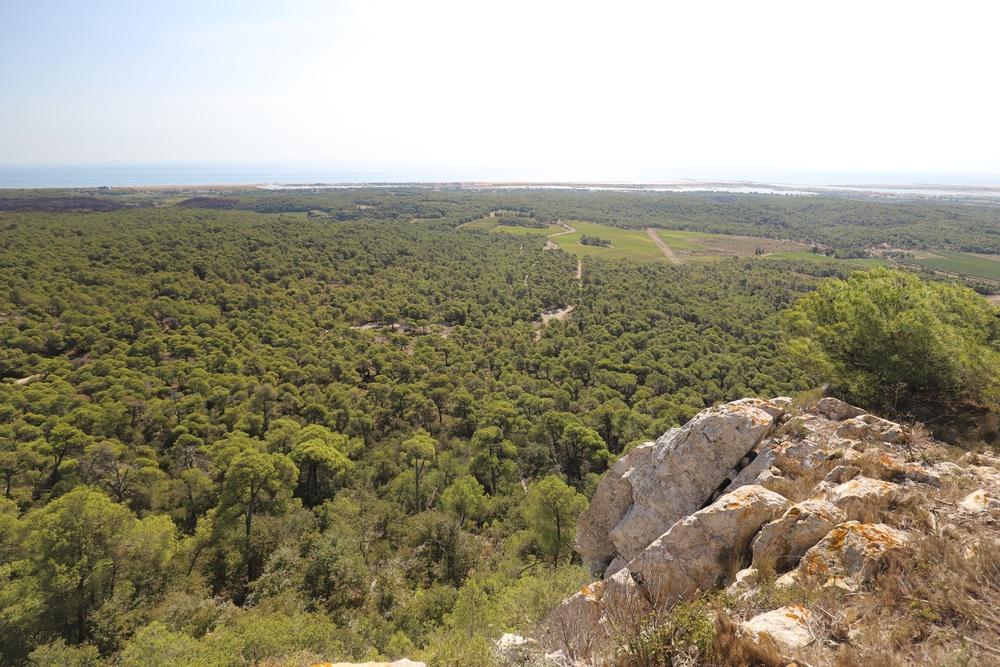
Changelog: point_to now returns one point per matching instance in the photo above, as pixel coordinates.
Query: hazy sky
(615, 89)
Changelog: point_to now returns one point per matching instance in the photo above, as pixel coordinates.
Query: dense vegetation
(844, 225)
(587, 239)
(888, 340)
(229, 435)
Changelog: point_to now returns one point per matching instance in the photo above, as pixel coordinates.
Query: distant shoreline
(232, 177)
(282, 174)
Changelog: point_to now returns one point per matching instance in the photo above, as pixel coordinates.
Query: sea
(310, 174)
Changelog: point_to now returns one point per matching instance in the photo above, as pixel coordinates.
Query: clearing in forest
(625, 243)
(497, 225)
(966, 264)
(657, 244)
(699, 245)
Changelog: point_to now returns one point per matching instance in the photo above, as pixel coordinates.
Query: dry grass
(731, 649)
(805, 401)
(693, 634)
(798, 482)
(939, 603)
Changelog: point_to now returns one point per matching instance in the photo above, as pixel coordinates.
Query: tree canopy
(882, 335)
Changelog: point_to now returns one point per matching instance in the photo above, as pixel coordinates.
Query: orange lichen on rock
(593, 591)
(851, 552)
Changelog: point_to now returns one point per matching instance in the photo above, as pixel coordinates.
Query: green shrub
(887, 339)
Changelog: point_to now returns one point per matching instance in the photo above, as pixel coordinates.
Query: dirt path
(551, 245)
(549, 315)
(566, 229)
(558, 314)
(664, 248)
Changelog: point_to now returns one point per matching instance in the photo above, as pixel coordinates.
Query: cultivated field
(701, 245)
(685, 246)
(961, 263)
(625, 243)
(493, 225)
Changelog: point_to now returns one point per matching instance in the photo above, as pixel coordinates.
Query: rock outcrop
(698, 552)
(863, 498)
(757, 489)
(781, 543)
(661, 482)
(848, 556)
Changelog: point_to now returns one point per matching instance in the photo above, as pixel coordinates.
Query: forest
(279, 428)
(845, 225)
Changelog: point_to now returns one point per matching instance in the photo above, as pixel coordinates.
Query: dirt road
(664, 248)
(566, 229)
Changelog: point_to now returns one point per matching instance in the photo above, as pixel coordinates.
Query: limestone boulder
(612, 499)
(617, 564)
(863, 498)
(978, 502)
(848, 556)
(891, 467)
(868, 427)
(514, 650)
(744, 582)
(579, 626)
(786, 629)
(782, 542)
(841, 474)
(699, 551)
(986, 477)
(660, 483)
(833, 408)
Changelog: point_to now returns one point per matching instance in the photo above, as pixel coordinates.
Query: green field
(683, 240)
(961, 263)
(636, 244)
(493, 225)
(526, 231)
(625, 243)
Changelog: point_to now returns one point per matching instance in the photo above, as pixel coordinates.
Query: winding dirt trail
(566, 229)
(664, 248)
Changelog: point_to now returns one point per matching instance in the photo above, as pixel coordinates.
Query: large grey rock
(782, 542)
(700, 551)
(659, 483)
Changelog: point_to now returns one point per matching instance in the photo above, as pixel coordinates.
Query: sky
(535, 90)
